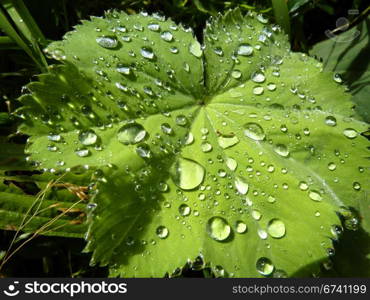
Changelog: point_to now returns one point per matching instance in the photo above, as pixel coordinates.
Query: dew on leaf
(258, 90)
(276, 228)
(254, 131)
(187, 174)
(181, 120)
(332, 166)
(131, 133)
(350, 133)
(315, 195)
(82, 152)
(330, 121)
(241, 185)
(144, 151)
(87, 137)
(195, 49)
(256, 214)
(303, 185)
(262, 234)
(107, 42)
(154, 27)
(147, 53)
(231, 163)
(167, 36)
(271, 86)
(236, 74)
(206, 147)
(162, 232)
(184, 210)
(227, 141)
(337, 78)
(264, 266)
(166, 128)
(218, 229)
(245, 50)
(356, 186)
(123, 69)
(282, 150)
(258, 77)
(240, 227)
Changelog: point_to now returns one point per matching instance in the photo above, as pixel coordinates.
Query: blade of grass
(7, 43)
(281, 12)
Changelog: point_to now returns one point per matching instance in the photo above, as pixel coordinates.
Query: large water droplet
(131, 133)
(206, 147)
(187, 174)
(254, 131)
(231, 163)
(218, 228)
(276, 228)
(315, 195)
(107, 42)
(241, 185)
(258, 77)
(144, 151)
(330, 121)
(87, 137)
(264, 266)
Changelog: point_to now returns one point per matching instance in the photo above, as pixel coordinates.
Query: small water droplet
(227, 141)
(184, 210)
(258, 77)
(356, 186)
(167, 36)
(237, 74)
(330, 121)
(332, 166)
(206, 147)
(195, 49)
(144, 151)
(154, 27)
(147, 53)
(245, 50)
(166, 128)
(82, 152)
(315, 195)
(256, 214)
(240, 227)
(231, 163)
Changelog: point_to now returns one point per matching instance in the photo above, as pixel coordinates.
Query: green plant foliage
(236, 151)
(347, 54)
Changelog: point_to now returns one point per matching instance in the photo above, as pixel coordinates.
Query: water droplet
(187, 174)
(82, 152)
(337, 78)
(125, 70)
(315, 195)
(166, 128)
(282, 150)
(181, 120)
(184, 210)
(131, 133)
(330, 121)
(144, 151)
(240, 227)
(162, 232)
(276, 228)
(237, 74)
(258, 77)
(218, 228)
(356, 186)
(271, 87)
(218, 51)
(167, 36)
(258, 90)
(107, 42)
(262, 19)
(254, 131)
(154, 27)
(245, 50)
(256, 214)
(195, 49)
(227, 141)
(241, 185)
(350, 133)
(147, 53)
(264, 266)
(87, 137)
(332, 166)
(303, 186)
(206, 147)
(231, 163)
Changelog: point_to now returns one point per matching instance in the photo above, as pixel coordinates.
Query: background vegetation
(28, 26)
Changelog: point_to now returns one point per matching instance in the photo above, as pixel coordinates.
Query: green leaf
(346, 54)
(238, 151)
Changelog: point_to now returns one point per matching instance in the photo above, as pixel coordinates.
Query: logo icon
(12, 291)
